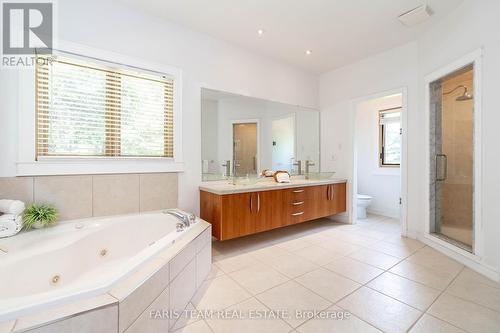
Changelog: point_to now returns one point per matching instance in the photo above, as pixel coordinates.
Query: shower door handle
(441, 167)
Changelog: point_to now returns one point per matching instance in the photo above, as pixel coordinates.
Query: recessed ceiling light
(308, 52)
(260, 31)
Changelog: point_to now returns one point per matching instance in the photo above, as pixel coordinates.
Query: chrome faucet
(227, 165)
(186, 219)
(309, 164)
(298, 164)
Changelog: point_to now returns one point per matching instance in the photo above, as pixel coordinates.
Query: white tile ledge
(63, 312)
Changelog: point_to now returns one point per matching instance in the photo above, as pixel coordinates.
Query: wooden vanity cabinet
(241, 214)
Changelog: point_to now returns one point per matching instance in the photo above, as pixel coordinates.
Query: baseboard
(475, 264)
(394, 215)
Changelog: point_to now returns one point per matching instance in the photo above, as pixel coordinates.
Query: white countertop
(225, 187)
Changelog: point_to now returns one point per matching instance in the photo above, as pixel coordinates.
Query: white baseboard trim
(475, 264)
(394, 215)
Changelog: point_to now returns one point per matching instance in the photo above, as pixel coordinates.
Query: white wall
(472, 25)
(205, 61)
(342, 89)
(209, 130)
(382, 183)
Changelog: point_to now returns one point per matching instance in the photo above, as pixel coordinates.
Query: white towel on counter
(14, 207)
(10, 225)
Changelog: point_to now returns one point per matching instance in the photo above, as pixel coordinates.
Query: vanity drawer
(240, 214)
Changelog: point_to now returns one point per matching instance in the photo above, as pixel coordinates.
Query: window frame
(28, 165)
(381, 131)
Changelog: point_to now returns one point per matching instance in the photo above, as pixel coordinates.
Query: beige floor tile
(400, 251)
(339, 246)
(428, 324)
(433, 259)
(291, 265)
(187, 317)
(358, 239)
(375, 258)
(317, 237)
(293, 298)
(354, 270)
(317, 254)
(409, 242)
(404, 290)
(468, 274)
(269, 252)
(472, 288)
(294, 244)
(258, 278)
(381, 311)
(433, 278)
(327, 284)
(215, 272)
(199, 326)
(466, 315)
(219, 293)
(233, 263)
(335, 322)
(247, 321)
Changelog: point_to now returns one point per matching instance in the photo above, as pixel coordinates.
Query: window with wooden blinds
(89, 109)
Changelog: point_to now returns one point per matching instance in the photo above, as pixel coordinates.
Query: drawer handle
(298, 191)
(297, 214)
(298, 203)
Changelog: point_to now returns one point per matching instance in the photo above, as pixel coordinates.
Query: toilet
(363, 202)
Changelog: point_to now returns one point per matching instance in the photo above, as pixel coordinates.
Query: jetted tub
(78, 259)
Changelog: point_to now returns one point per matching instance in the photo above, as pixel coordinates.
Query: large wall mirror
(241, 136)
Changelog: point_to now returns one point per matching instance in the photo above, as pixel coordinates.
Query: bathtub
(78, 259)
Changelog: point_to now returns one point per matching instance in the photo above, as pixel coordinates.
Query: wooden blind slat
(84, 109)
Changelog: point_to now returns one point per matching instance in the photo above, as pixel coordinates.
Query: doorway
(379, 165)
(283, 141)
(245, 144)
(452, 157)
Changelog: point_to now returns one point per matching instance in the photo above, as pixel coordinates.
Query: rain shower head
(466, 96)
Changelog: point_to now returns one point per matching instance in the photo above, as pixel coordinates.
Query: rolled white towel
(9, 227)
(15, 207)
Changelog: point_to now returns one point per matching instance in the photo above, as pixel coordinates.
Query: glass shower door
(452, 163)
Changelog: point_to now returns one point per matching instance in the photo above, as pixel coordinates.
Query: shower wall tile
(71, 195)
(115, 194)
(158, 191)
(17, 188)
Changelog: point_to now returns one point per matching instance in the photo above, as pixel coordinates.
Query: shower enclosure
(452, 158)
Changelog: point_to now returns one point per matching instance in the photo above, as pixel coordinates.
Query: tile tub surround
(413, 289)
(95, 195)
(128, 306)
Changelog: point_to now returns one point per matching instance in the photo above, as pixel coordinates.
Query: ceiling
(338, 32)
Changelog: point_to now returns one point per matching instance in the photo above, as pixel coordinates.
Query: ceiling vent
(415, 16)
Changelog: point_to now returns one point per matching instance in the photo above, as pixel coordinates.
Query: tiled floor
(366, 272)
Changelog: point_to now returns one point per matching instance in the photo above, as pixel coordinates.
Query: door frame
(403, 220)
(474, 58)
(246, 121)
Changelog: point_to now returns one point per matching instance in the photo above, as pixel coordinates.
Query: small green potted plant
(39, 216)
